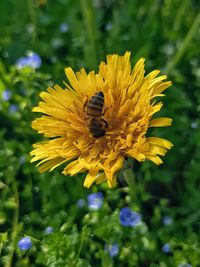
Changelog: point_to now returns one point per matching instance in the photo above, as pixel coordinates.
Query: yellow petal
(51, 164)
(73, 79)
(112, 168)
(73, 168)
(160, 122)
(155, 108)
(152, 74)
(91, 177)
(154, 158)
(137, 155)
(112, 182)
(160, 142)
(157, 150)
(100, 178)
(163, 87)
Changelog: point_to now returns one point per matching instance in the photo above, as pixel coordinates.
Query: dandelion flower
(124, 110)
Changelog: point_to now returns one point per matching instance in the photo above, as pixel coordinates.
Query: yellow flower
(129, 104)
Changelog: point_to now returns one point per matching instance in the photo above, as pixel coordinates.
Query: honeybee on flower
(94, 108)
(100, 119)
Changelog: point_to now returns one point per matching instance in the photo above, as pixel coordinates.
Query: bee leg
(104, 111)
(87, 120)
(85, 105)
(106, 124)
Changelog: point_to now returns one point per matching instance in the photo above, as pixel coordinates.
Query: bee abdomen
(97, 99)
(95, 105)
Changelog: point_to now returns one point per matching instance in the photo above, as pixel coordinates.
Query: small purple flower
(13, 108)
(30, 28)
(48, 230)
(185, 265)
(22, 160)
(194, 125)
(33, 60)
(64, 27)
(24, 243)
(56, 43)
(80, 203)
(21, 62)
(95, 201)
(128, 217)
(166, 248)
(109, 26)
(112, 249)
(167, 220)
(6, 95)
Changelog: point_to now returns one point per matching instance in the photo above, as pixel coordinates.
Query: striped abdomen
(95, 105)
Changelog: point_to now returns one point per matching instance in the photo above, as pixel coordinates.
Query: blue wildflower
(48, 230)
(22, 160)
(64, 27)
(194, 125)
(112, 249)
(80, 203)
(185, 265)
(166, 248)
(24, 243)
(6, 95)
(109, 26)
(33, 60)
(95, 201)
(13, 108)
(128, 217)
(167, 220)
(57, 42)
(21, 62)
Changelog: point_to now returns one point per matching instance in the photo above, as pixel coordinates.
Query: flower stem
(14, 225)
(2, 76)
(174, 61)
(180, 15)
(90, 42)
(82, 240)
(32, 14)
(130, 179)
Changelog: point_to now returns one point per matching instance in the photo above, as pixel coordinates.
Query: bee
(94, 112)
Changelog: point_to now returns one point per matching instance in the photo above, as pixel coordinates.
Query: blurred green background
(80, 34)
